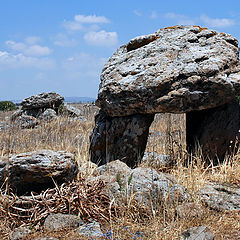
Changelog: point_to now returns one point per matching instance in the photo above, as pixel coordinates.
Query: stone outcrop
(146, 185)
(181, 69)
(121, 138)
(35, 171)
(221, 197)
(177, 69)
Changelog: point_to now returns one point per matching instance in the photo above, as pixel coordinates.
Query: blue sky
(62, 45)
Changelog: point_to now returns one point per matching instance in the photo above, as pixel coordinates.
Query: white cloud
(138, 13)
(63, 40)
(28, 49)
(101, 38)
(13, 61)
(180, 19)
(80, 20)
(91, 19)
(32, 40)
(154, 15)
(217, 22)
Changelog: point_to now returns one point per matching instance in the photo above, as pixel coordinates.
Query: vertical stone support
(214, 130)
(122, 138)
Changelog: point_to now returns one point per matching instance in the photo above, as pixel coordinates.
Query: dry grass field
(167, 136)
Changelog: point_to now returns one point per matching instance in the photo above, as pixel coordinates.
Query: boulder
(35, 171)
(43, 100)
(145, 184)
(122, 138)
(221, 197)
(59, 221)
(71, 111)
(48, 114)
(177, 69)
(214, 131)
(197, 233)
(26, 121)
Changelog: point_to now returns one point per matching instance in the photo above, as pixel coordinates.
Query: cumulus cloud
(217, 22)
(13, 61)
(63, 40)
(80, 20)
(101, 38)
(32, 40)
(180, 18)
(28, 49)
(91, 19)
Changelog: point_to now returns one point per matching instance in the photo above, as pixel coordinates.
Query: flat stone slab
(43, 100)
(221, 197)
(177, 69)
(197, 233)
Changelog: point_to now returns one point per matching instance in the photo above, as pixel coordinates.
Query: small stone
(59, 221)
(71, 111)
(197, 233)
(91, 230)
(26, 121)
(20, 233)
(46, 238)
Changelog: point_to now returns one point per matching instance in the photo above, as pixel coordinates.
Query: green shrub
(7, 106)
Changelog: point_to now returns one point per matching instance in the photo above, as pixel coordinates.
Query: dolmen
(180, 69)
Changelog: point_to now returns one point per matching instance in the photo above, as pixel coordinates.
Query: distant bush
(7, 106)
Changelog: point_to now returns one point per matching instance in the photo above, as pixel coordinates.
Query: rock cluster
(181, 69)
(37, 171)
(36, 108)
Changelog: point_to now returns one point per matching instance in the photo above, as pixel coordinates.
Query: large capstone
(177, 69)
(43, 101)
(120, 138)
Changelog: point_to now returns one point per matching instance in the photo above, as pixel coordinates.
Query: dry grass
(167, 137)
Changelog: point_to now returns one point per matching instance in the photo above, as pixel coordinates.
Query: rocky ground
(163, 198)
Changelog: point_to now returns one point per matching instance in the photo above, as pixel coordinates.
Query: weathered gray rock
(43, 100)
(177, 69)
(71, 111)
(20, 233)
(92, 230)
(48, 114)
(59, 221)
(26, 121)
(157, 160)
(16, 114)
(197, 233)
(147, 185)
(214, 131)
(221, 197)
(122, 138)
(34, 171)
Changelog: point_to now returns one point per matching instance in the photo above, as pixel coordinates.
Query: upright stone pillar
(122, 138)
(214, 130)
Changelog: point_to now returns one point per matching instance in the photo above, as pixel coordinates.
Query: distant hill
(79, 99)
